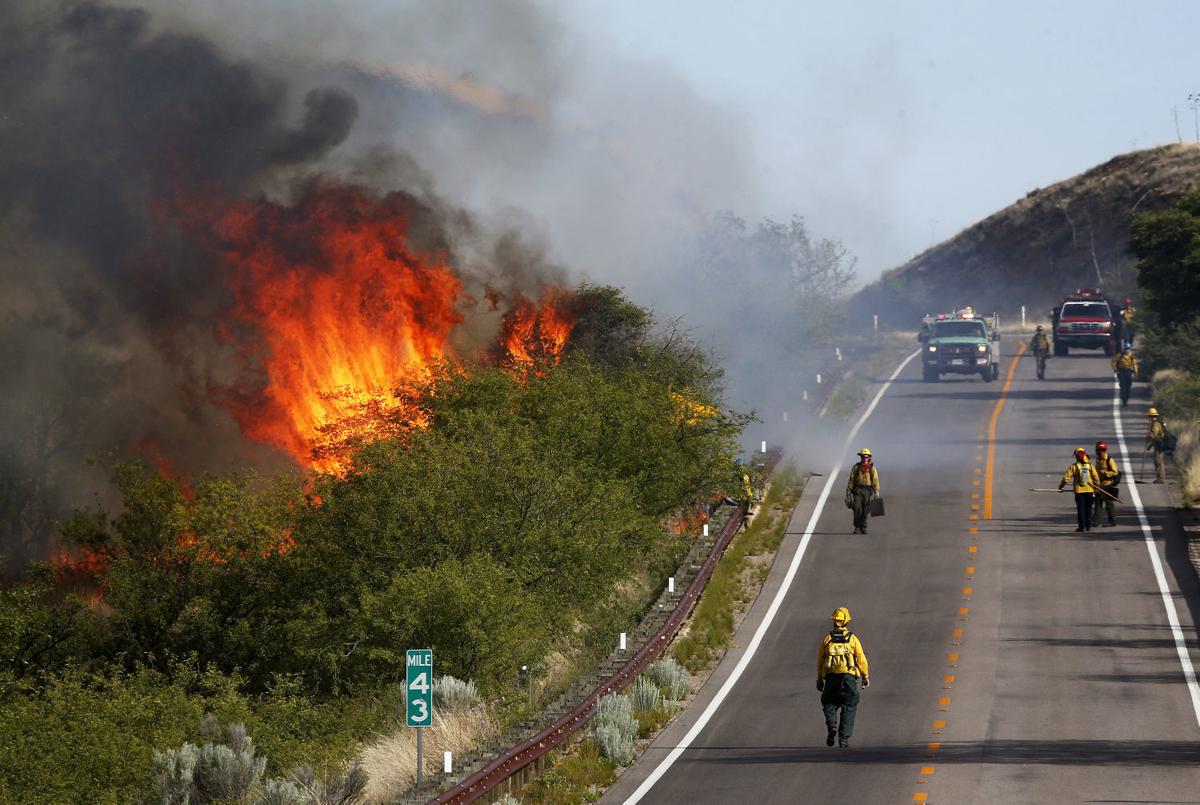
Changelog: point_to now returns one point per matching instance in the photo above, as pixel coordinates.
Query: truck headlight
(981, 347)
(932, 348)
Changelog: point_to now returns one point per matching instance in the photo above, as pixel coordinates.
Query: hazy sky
(886, 123)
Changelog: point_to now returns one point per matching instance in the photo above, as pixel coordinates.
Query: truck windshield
(1091, 310)
(959, 329)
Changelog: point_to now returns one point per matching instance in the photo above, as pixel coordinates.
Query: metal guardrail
(529, 751)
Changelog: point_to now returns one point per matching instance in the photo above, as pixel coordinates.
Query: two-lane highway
(1013, 659)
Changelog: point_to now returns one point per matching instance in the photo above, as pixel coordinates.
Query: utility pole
(1175, 113)
(1194, 102)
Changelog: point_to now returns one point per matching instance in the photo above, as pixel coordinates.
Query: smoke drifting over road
(120, 121)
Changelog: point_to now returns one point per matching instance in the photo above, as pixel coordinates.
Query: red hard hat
(1129, 301)
(1101, 445)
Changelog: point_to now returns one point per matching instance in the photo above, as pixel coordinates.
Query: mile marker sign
(418, 711)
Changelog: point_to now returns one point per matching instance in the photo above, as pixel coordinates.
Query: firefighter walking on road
(1126, 369)
(1156, 440)
(861, 489)
(1083, 478)
(1039, 345)
(841, 663)
(1107, 493)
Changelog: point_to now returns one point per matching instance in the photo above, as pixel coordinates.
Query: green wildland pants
(861, 503)
(840, 694)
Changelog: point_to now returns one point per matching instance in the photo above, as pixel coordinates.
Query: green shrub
(645, 694)
(672, 678)
(614, 729)
(455, 694)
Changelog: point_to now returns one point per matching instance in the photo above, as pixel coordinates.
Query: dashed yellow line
(991, 438)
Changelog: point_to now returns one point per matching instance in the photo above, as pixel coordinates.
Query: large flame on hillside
(339, 312)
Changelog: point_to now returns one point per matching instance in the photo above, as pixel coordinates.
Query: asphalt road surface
(1013, 660)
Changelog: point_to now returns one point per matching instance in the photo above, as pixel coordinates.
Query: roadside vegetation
(580, 773)
(513, 528)
(1167, 245)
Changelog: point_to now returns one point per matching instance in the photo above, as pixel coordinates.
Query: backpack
(839, 654)
(1169, 441)
(1083, 474)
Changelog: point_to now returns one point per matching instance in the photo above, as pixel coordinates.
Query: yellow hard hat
(866, 451)
(1153, 411)
(1079, 450)
(841, 616)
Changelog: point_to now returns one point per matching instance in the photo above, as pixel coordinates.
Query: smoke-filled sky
(886, 125)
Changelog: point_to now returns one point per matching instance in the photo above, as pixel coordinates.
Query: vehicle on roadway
(1086, 319)
(961, 342)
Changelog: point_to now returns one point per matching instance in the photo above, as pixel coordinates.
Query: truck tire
(995, 371)
(1060, 349)
(1108, 348)
(988, 374)
(928, 375)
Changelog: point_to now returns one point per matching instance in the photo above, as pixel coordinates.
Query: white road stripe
(1185, 659)
(759, 633)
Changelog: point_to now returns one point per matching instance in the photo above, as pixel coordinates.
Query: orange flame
(338, 313)
(346, 312)
(538, 333)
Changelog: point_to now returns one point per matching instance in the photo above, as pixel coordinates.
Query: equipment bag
(839, 654)
(1083, 474)
(1169, 441)
(877, 506)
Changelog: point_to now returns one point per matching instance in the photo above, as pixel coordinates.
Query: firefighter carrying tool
(862, 488)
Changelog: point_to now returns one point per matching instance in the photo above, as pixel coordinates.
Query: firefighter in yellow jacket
(1125, 367)
(861, 488)
(841, 663)
(1084, 480)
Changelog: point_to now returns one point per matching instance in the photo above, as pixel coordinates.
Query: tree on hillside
(1167, 245)
(780, 267)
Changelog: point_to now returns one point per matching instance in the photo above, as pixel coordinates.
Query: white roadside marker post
(447, 762)
(876, 318)
(706, 529)
(671, 584)
(622, 641)
(1022, 317)
(764, 447)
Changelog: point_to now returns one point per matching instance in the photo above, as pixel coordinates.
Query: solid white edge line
(1185, 659)
(759, 633)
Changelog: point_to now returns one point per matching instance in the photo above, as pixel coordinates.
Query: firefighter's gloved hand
(820, 684)
(866, 682)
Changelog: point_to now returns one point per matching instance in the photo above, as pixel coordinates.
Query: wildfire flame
(339, 311)
(536, 333)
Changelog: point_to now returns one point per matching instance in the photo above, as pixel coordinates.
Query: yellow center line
(991, 437)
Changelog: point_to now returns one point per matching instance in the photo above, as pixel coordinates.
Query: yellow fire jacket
(1082, 476)
(860, 657)
(860, 478)
(1123, 361)
(1107, 469)
(1039, 344)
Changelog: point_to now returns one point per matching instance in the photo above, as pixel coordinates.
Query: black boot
(830, 737)
(844, 743)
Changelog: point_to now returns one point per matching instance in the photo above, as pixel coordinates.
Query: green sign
(418, 711)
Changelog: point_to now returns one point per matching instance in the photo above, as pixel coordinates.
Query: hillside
(1073, 233)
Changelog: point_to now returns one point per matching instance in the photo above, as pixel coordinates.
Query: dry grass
(391, 761)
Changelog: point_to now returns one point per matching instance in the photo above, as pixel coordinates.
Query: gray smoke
(563, 153)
